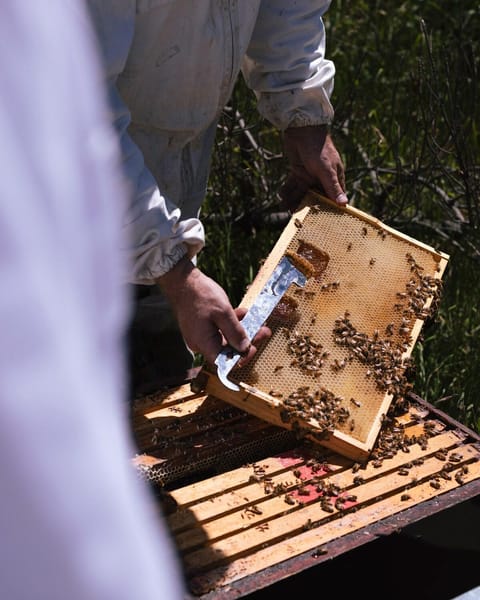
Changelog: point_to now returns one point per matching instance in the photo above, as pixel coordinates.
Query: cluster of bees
(322, 405)
(393, 439)
(308, 354)
(382, 356)
(333, 498)
(418, 290)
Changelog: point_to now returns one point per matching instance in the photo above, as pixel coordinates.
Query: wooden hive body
(372, 280)
(246, 509)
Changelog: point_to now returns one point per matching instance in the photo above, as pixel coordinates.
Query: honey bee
(308, 525)
(455, 457)
(327, 506)
(255, 510)
(389, 329)
(268, 487)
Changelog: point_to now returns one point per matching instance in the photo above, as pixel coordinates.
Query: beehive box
(247, 504)
(340, 346)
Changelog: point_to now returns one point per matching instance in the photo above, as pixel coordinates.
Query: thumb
(334, 190)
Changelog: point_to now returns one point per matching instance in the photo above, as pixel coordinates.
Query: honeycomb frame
(373, 272)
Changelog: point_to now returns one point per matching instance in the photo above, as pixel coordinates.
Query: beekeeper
(171, 67)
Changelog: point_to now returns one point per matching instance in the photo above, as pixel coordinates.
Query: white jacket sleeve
(76, 522)
(158, 236)
(286, 66)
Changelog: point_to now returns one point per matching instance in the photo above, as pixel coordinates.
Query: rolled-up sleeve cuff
(296, 108)
(157, 256)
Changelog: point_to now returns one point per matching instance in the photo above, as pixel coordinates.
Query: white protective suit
(171, 66)
(76, 523)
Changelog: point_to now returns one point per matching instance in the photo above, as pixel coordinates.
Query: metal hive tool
(284, 275)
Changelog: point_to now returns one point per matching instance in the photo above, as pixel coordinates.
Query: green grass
(447, 358)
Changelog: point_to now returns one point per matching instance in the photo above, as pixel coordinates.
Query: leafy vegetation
(407, 126)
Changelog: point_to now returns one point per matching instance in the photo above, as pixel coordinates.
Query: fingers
(333, 188)
(314, 164)
(215, 329)
(226, 329)
(232, 330)
(328, 169)
(262, 334)
(295, 188)
(341, 198)
(247, 358)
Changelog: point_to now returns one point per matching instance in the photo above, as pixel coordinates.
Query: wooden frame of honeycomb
(341, 355)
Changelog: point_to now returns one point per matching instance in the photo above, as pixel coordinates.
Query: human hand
(205, 316)
(314, 162)
(262, 334)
